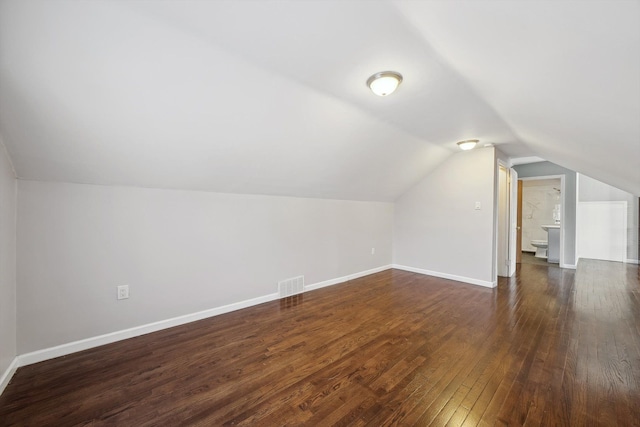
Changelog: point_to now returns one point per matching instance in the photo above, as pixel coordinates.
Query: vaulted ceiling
(269, 97)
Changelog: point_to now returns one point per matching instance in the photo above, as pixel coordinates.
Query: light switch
(478, 206)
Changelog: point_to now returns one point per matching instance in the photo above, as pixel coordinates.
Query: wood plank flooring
(547, 347)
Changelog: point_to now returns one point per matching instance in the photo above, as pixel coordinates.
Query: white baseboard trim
(569, 266)
(345, 278)
(463, 279)
(85, 344)
(8, 374)
(632, 261)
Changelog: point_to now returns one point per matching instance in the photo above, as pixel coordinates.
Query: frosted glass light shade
(468, 144)
(384, 83)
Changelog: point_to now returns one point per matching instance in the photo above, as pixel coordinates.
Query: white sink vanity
(553, 239)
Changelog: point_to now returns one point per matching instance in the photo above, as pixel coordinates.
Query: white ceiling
(269, 97)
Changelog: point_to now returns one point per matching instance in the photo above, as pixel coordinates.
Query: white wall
(436, 225)
(602, 230)
(591, 190)
(7, 265)
(179, 251)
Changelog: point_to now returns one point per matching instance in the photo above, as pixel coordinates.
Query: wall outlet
(123, 292)
(373, 251)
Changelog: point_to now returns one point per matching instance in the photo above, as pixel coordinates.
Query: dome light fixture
(384, 83)
(467, 144)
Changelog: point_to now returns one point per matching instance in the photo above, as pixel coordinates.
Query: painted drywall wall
(592, 190)
(179, 251)
(436, 225)
(7, 262)
(539, 169)
(601, 228)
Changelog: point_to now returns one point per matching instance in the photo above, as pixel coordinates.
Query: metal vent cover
(292, 286)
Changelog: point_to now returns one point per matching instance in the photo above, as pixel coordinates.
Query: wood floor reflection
(530, 258)
(547, 347)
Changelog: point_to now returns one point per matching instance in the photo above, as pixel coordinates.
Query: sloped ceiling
(269, 97)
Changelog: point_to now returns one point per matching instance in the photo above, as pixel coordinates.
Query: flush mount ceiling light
(384, 82)
(467, 144)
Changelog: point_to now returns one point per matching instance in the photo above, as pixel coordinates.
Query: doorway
(540, 211)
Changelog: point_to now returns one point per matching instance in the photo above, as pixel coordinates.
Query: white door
(513, 219)
(507, 226)
(504, 223)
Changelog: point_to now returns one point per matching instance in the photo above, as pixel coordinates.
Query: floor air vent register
(292, 286)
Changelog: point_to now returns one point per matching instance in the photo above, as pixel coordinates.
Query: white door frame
(511, 215)
(563, 211)
(513, 219)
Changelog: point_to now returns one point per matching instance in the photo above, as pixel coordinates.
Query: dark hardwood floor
(547, 347)
(530, 258)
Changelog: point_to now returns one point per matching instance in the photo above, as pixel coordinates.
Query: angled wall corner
(7, 268)
(437, 227)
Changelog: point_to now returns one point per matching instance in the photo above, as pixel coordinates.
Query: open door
(503, 221)
(515, 229)
(519, 224)
(507, 226)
